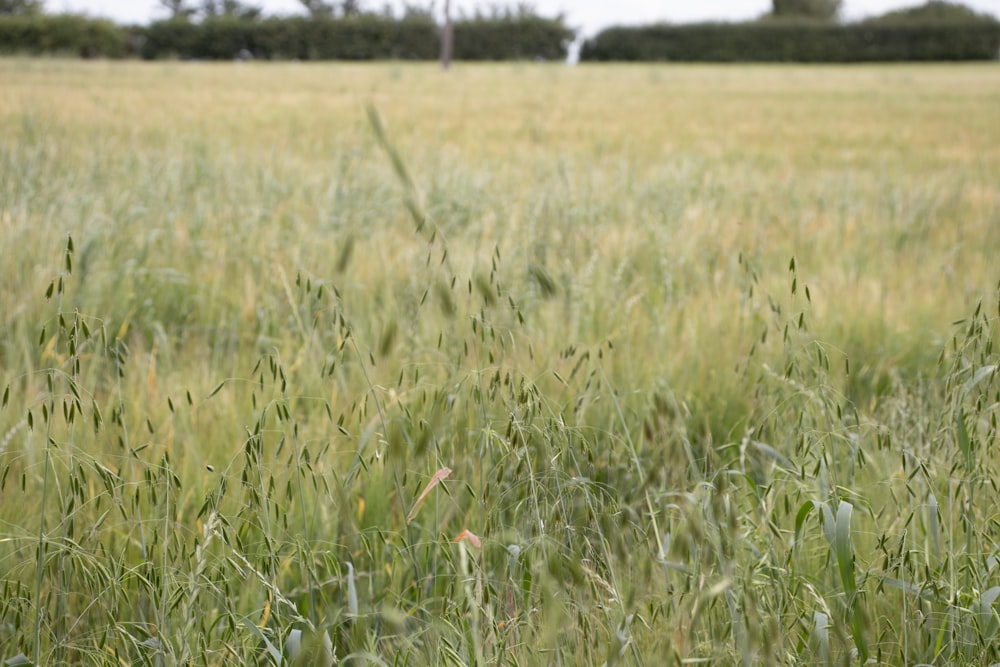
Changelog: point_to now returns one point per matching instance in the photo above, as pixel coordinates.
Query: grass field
(702, 358)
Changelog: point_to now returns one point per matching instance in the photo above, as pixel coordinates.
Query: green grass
(703, 356)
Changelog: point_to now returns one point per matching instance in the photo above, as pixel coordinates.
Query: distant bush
(364, 37)
(819, 10)
(353, 38)
(173, 37)
(799, 41)
(21, 7)
(512, 38)
(62, 34)
(935, 11)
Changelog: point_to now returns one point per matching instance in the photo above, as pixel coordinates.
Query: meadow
(515, 365)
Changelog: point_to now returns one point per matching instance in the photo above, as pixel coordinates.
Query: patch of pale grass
(707, 352)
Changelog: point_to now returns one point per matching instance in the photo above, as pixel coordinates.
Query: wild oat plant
(406, 459)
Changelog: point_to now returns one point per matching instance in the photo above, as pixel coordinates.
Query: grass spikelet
(435, 479)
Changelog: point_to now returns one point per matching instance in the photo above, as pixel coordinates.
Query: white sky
(591, 15)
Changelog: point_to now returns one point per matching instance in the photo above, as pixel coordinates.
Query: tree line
(810, 31)
(342, 30)
(793, 30)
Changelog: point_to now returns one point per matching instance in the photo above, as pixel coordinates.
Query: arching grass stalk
(162, 622)
(57, 287)
(420, 219)
(299, 488)
(40, 556)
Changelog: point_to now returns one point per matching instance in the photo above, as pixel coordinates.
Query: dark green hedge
(514, 38)
(370, 37)
(783, 41)
(363, 37)
(62, 35)
(355, 38)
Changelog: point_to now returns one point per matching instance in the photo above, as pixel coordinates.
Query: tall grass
(525, 365)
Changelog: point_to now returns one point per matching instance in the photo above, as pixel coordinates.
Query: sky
(588, 15)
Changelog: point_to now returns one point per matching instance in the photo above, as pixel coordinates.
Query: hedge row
(782, 41)
(365, 37)
(356, 38)
(63, 35)
(369, 37)
(512, 38)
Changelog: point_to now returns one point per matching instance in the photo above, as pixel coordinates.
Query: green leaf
(773, 454)
(801, 516)
(980, 375)
(986, 613)
(844, 555)
(842, 548)
(821, 635)
(962, 435)
(271, 648)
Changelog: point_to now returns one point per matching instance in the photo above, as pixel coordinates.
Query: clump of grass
(382, 414)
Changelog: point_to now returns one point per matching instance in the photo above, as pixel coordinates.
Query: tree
(178, 9)
(824, 10)
(350, 7)
(447, 37)
(229, 9)
(21, 6)
(935, 11)
(326, 9)
(413, 11)
(318, 8)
